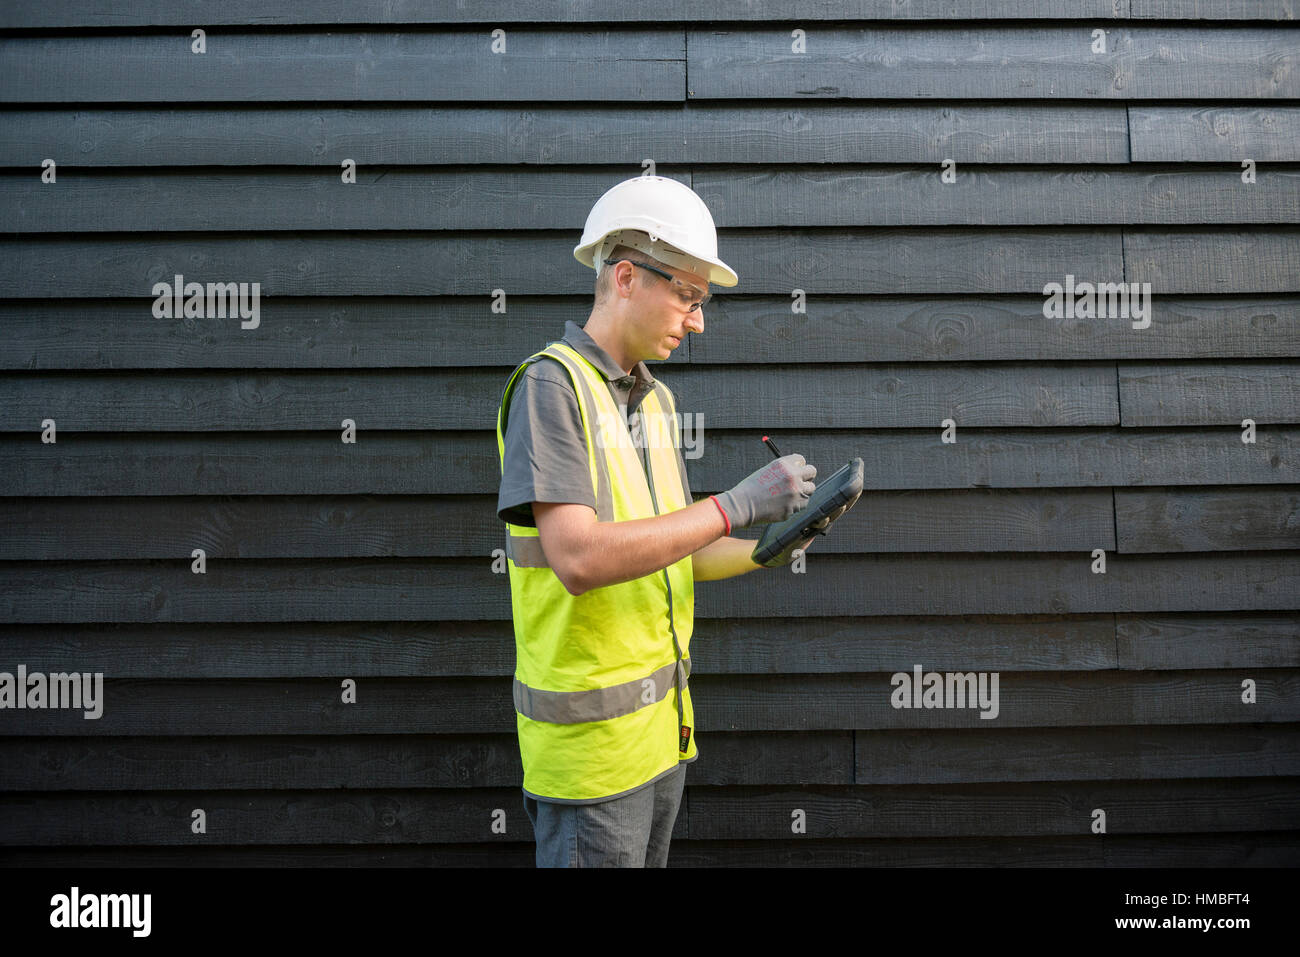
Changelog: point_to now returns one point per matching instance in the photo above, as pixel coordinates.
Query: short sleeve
(545, 457)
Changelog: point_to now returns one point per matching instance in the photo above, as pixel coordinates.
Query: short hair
(618, 252)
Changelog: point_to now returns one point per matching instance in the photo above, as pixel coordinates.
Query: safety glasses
(689, 295)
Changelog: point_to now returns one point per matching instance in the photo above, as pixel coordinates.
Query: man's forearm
(622, 551)
(725, 558)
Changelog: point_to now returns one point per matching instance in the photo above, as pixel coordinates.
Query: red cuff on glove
(724, 514)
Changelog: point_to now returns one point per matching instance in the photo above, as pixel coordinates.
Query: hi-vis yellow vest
(600, 686)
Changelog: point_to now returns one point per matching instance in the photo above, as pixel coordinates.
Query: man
(604, 544)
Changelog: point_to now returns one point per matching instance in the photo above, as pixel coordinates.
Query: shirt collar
(588, 348)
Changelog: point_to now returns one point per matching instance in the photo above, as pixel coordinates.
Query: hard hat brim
(718, 272)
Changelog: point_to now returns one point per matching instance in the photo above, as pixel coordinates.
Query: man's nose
(695, 320)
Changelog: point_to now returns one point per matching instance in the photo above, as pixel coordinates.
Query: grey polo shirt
(545, 448)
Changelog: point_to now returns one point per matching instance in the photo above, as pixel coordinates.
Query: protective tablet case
(831, 499)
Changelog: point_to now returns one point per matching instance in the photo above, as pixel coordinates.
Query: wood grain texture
(467, 526)
(1057, 583)
(1215, 134)
(1157, 642)
(256, 817)
(758, 329)
(374, 816)
(272, 67)
(1004, 810)
(539, 134)
(973, 259)
(1209, 393)
(1213, 9)
(893, 196)
(1018, 458)
(379, 761)
(1222, 261)
(1006, 62)
(458, 590)
(82, 13)
(290, 200)
(924, 301)
(1207, 520)
(772, 645)
(884, 396)
(459, 463)
(723, 703)
(820, 644)
(850, 196)
(1026, 699)
(342, 332)
(1088, 754)
(238, 649)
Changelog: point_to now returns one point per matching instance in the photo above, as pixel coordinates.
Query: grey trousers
(631, 831)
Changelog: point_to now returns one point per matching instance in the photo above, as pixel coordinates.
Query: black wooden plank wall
(1106, 141)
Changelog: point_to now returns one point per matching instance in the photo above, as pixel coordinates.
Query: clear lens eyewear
(690, 296)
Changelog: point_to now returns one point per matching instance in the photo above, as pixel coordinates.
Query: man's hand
(771, 494)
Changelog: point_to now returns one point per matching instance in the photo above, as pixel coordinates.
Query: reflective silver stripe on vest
(526, 551)
(598, 704)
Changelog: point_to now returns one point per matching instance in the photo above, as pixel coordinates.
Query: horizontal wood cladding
(467, 526)
(1214, 9)
(459, 463)
(239, 13)
(355, 762)
(456, 590)
(923, 301)
(889, 196)
(84, 13)
(1158, 520)
(1206, 134)
(995, 260)
(1231, 518)
(774, 645)
(359, 332)
(825, 702)
(901, 396)
(1209, 393)
(1007, 61)
(1132, 807)
(371, 761)
(1085, 754)
(413, 65)
(1225, 260)
(1004, 62)
(627, 133)
(388, 199)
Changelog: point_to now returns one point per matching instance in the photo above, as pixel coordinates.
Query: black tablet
(830, 499)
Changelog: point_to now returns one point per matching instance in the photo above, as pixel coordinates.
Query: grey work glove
(772, 494)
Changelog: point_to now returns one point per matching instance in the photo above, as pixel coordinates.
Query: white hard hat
(679, 229)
